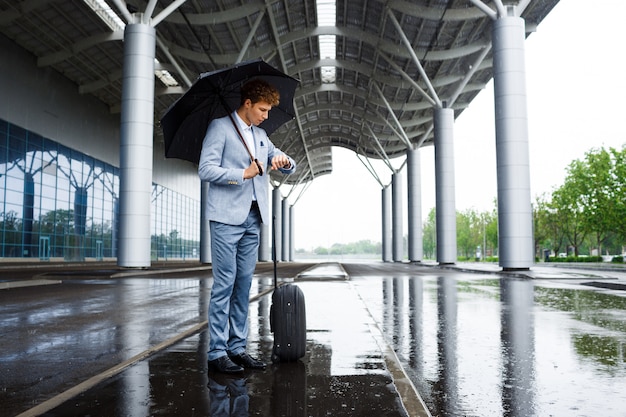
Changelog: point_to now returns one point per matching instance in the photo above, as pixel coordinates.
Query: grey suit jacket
(222, 162)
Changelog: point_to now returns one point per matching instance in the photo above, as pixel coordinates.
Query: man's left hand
(280, 161)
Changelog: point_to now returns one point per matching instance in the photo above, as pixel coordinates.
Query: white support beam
(414, 57)
(382, 153)
(253, 30)
(279, 50)
(167, 11)
(170, 57)
(425, 135)
(406, 76)
(393, 129)
(370, 168)
(485, 9)
(500, 7)
(468, 76)
(121, 6)
(403, 135)
(149, 10)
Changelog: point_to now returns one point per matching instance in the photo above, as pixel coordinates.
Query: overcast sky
(576, 87)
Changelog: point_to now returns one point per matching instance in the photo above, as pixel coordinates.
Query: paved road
(473, 340)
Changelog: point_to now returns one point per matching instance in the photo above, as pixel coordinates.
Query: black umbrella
(215, 94)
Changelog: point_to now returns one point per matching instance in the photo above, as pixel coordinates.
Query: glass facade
(59, 203)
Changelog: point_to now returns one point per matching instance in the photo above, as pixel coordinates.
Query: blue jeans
(234, 252)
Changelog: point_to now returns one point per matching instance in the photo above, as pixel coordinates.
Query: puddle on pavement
(342, 374)
(176, 382)
(473, 345)
(479, 346)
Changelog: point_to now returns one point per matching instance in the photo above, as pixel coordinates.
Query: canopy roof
(394, 60)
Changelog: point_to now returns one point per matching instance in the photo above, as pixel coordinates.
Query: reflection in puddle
(517, 336)
(228, 396)
(342, 374)
(477, 346)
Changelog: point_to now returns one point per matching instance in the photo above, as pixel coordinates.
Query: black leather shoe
(247, 361)
(224, 365)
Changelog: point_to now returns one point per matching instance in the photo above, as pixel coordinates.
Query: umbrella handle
(274, 249)
(252, 158)
(258, 164)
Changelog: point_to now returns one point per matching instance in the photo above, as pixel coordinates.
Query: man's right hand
(255, 168)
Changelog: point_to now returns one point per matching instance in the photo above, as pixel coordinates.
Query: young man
(237, 204)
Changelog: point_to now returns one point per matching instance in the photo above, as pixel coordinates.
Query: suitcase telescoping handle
(274, 248)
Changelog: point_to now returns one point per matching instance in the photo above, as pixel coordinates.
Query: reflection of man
(237, 204)
(228, 398)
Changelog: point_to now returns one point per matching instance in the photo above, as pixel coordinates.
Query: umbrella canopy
(215, 94)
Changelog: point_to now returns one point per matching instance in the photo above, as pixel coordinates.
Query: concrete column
(386, 222)
(277, 222)
(292, 242)
(414, 204)
(264, 245)
(205, 228)
(265, 238)
(444, 186)
(136, 135)
(285, 232)
(515, 236)
(265, 254)
(396, 217)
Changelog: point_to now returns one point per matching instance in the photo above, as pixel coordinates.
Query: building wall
(42, 101)
(59, 180)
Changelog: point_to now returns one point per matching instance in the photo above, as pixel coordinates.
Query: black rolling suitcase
(287, 320)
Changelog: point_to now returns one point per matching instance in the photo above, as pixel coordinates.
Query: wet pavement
(383, 339)
(503, 344)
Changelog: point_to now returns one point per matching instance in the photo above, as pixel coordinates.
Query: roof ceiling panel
(446, 36)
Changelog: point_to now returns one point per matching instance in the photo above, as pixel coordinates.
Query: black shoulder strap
(252, 158)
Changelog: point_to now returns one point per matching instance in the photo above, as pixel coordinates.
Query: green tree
(594, 180)
(354, 248)
(620, 190)
(490, 229)
(469, 228)
(320, 250)
(569, 213)
(591, 200)
(476, 229)
(549, 234)
(429, 232)
(463, 235)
